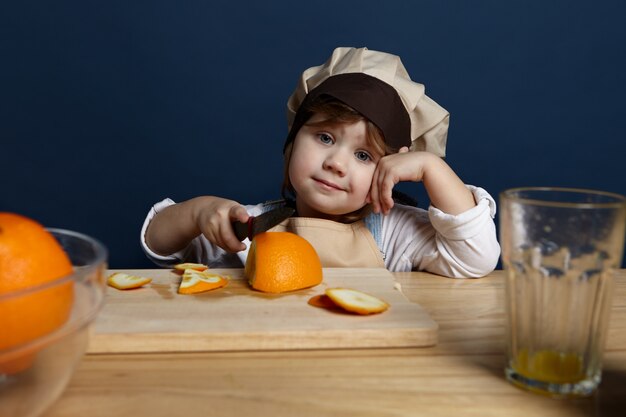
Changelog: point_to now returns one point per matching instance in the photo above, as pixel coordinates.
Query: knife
(261, 223)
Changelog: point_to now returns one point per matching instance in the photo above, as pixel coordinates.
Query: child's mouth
(327, 185)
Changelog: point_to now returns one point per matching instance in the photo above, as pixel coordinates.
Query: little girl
(358, 125)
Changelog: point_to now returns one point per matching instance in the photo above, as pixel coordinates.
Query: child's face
(331, 168)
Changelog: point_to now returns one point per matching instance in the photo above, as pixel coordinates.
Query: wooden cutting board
(156, 318)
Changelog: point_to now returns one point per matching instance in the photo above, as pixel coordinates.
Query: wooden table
(461, 376)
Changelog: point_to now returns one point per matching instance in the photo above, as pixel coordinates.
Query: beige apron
(337, 244)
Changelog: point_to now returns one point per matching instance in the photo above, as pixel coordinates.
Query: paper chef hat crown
(377, 85)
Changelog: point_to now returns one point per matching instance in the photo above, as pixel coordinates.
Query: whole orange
(29, 258)
(282, 261)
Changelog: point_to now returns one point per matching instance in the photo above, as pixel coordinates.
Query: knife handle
(242, 230)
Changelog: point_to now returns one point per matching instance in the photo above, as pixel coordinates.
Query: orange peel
(195, 282)
(123, 281)
(190, 265)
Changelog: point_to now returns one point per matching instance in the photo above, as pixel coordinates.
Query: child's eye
(363, 156)
(324, 138)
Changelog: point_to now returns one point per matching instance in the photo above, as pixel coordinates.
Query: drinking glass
(560, 248)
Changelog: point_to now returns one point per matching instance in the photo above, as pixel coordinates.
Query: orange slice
(356, 301)
(195, 282)
(123, 281)
(324, 301)
(190, 265)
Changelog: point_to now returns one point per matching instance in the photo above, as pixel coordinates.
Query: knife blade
(261, 223)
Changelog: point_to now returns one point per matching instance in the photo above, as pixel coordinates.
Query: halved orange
(282, 261)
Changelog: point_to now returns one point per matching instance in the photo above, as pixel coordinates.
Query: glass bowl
(34, 374)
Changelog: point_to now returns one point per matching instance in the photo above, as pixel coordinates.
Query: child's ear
(404, 149)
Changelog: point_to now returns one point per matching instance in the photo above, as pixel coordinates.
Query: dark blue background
(109, 106)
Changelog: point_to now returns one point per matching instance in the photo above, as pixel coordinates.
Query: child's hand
(214, 217)
(445, 190)
(391, 169)
(173, 228)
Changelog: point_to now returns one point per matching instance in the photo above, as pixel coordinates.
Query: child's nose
(336, 161)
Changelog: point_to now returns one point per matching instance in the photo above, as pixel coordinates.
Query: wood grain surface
(157, 319)
(460, 376)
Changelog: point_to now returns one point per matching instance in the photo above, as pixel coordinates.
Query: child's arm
(445, 189)
(176, 226)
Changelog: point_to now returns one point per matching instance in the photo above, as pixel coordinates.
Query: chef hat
(377, 85)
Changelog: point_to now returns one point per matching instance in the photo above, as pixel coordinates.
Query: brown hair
(337, 112)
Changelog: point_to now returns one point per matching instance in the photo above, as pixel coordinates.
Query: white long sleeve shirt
(410, 238)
